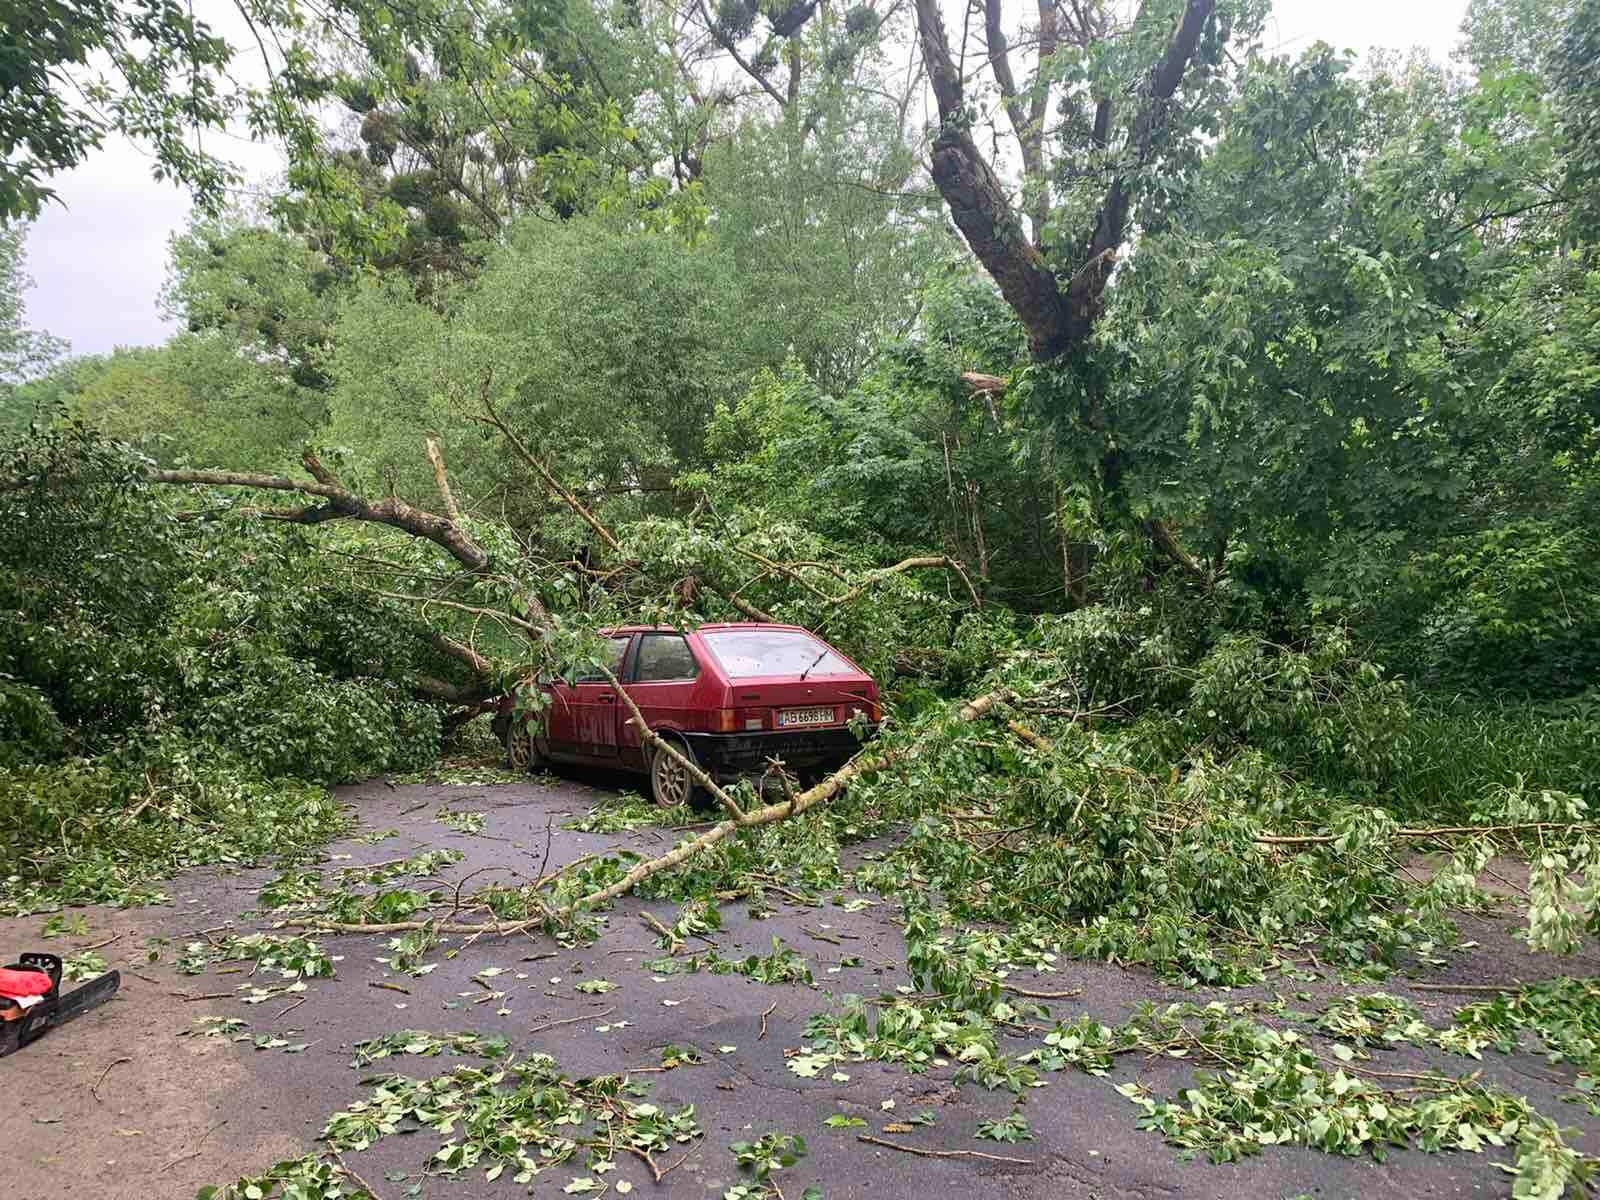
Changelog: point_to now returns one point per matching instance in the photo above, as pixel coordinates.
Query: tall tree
(1130, 98)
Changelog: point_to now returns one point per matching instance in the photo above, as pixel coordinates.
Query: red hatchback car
(731, 696)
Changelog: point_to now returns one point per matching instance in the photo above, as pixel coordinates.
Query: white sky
(100, 257)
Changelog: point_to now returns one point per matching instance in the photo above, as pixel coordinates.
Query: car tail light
(727, 720)
(869, 710)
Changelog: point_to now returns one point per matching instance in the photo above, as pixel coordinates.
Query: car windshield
(747, 652)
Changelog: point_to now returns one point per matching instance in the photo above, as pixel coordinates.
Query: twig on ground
(1468, 987)
(1032, 995)
(605, 1012)
(95, 1090)
(195, 1153)
(877, 1141)
(655, 1171)
(360, 1182)
(658, 928)
(764, 1017)
(682, 1158)
(388, 987)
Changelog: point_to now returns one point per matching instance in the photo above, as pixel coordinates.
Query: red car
(731, 696)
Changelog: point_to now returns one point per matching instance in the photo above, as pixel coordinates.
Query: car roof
(712, 627)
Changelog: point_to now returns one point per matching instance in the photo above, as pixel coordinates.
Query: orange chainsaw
(32, 1003)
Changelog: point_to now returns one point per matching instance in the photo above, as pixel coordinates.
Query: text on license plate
(805, 716)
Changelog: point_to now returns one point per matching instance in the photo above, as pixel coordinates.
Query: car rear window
(747, 652)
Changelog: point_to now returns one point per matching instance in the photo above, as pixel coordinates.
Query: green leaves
(289, 956)
(519, 1117)
(772, 1151)
(418, 1042)
(86, 964)
(1013, 1127)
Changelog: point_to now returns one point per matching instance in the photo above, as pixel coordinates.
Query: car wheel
(521, 753)
(670, 781)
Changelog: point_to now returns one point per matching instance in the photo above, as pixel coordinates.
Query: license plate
(790, 717)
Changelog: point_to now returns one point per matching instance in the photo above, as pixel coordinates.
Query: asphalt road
(119, 1104)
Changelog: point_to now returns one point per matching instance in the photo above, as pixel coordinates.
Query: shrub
(30, 731)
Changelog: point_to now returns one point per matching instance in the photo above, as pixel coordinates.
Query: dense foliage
(1245, 470)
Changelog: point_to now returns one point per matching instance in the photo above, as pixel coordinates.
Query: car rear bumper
(801, 750)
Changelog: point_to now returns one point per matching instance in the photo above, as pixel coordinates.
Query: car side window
(664, 656)
(619, 650)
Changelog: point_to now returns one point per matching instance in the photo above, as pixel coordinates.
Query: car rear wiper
(814, 662)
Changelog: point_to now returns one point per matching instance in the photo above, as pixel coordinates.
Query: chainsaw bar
(79, 1001)
(19, 1026)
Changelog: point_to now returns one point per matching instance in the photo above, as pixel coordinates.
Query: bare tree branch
(442, 480)
(554, 484)
(342, 503)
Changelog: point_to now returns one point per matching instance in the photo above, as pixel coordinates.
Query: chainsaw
(26, 1018)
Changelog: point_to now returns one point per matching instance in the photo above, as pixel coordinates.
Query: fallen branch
(604, 1012)
(1032, 995)
(651, 738)
(979, 382)
(808, 799)
(354, 1178)
(917, 1150)
(554, 484)
(95, 1090)
(441, 480)
(1322, 839)
(744, 606)
(195, 1153)
(1468, 987)
(340, 502)
(923, 562)
(658, 928)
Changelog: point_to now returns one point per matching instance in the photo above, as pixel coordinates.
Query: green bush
(285, 719)
(1459, 749)
(30, 731)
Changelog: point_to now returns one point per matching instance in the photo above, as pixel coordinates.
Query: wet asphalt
(172, 1112)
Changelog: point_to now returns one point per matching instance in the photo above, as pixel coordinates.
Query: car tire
(522, 753)
(670, 781)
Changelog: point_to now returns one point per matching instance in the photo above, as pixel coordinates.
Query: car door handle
(608, 698)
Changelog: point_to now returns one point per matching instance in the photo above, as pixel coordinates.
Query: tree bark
(1058, 319)
(341, 503)
(980, 209)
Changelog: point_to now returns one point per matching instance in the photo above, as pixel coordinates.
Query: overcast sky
(99, 261)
